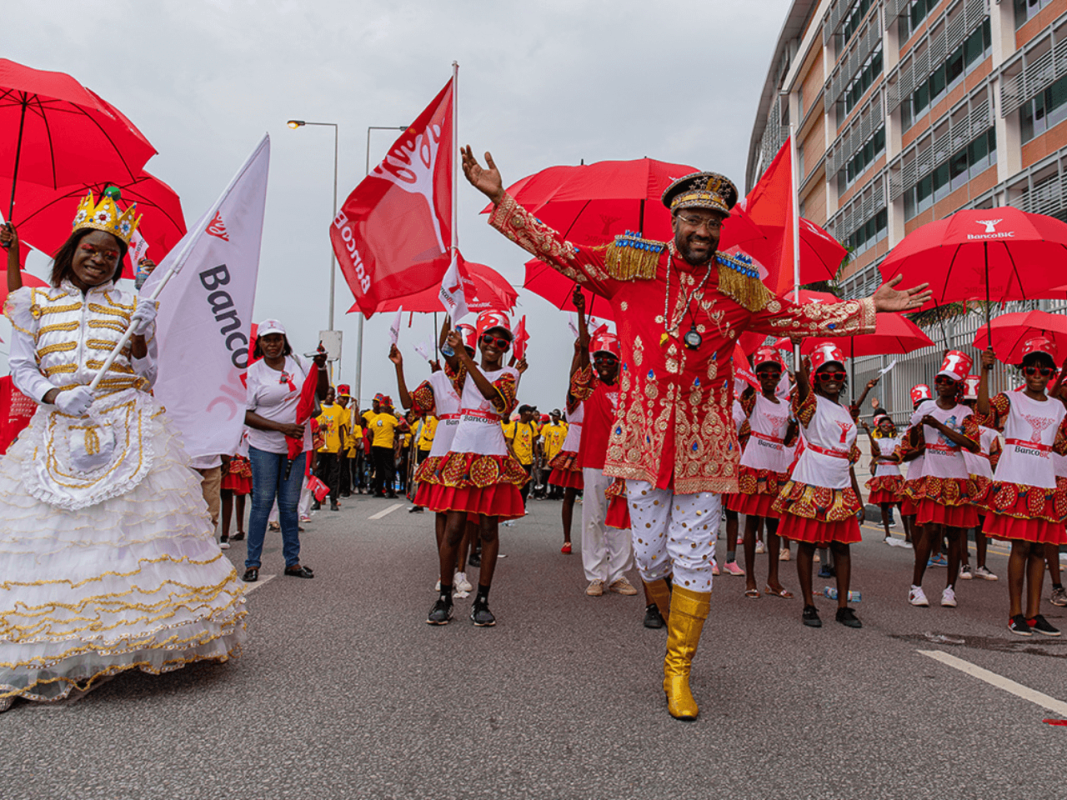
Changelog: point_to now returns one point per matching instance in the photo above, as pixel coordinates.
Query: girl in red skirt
(764, 467)
(1021, 503)
(820, 503)
(980, 465)
(479, 475)
(236, 483)
(913, 455)
(943, 494)
(886, 485)
(565, 470)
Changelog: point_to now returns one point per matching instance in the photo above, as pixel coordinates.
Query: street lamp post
(299, 123)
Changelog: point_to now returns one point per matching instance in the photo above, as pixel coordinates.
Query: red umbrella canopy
(998, 254)
(1011, 331)
(544, 281)
(483, 287)
(893, 335)
(44, 215)
(56, 132)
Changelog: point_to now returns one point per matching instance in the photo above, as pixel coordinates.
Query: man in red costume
(679, 307)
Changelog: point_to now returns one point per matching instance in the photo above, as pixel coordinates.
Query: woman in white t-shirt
(273, 392)
(1021, 504)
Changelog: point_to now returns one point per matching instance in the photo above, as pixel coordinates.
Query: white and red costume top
(565, 469)
(1022, 500)
(818, 503)
(765, 457)
(436, 397)
(886, 484)
(980, 465)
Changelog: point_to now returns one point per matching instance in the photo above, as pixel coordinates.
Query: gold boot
(688, 612)
(659, 592)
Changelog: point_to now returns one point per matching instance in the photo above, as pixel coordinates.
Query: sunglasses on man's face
(1044, 372)
(768, 373)
(830, 376)
(495, 341)
(943, 379)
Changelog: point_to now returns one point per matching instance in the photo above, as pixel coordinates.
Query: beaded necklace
(692, 339)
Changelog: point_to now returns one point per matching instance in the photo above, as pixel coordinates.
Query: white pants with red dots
(674, 534)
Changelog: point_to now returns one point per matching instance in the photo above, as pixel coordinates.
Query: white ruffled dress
(108, 560)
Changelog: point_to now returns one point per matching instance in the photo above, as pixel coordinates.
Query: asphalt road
(344, 691)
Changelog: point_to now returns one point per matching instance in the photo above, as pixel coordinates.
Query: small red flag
(393, 233)
(521, 338)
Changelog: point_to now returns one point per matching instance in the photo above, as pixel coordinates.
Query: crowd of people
(658, 435)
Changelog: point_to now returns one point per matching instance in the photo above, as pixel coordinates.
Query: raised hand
(8, 236)
(578, 298)
(888, 298)
(394, 355)
(486, 179)
(872, 383)
(989, 360)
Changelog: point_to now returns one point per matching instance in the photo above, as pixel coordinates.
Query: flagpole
(455, 163)
(794, 189)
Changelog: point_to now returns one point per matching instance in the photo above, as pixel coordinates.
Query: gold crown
(106, 216)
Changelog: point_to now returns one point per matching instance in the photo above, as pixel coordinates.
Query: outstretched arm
(870, 385)
(582, 345)
(982, 406)
(401, 384)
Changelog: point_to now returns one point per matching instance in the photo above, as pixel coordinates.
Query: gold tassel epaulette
(739, 279)
(631, 258)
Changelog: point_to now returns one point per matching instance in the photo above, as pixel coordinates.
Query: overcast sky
(541, 84)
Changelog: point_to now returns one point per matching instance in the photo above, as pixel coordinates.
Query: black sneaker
(1019, 625)
(316, 505)
(826, 571)
(1041, 625)
(481, 616)
(847, 617)
(237, 536)
(334, 507)
(224, 542)
(811, 617)
(653, 619)
(475, 559)
(441, 613)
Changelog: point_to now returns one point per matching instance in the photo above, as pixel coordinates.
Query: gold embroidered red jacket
(673, 426)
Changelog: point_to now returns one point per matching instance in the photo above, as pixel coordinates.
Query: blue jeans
(268, 482)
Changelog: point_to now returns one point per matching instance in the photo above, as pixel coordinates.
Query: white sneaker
(437, 586)
(595, 588)
(461, 583)
(889, 540)
(907, 545)
(985, 574)
(917, 598)
(783, 554)
(948, 598)
(965, 572)
(760, 549)
(224, 544)
(731, 568)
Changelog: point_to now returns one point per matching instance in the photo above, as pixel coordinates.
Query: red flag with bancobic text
(393, 233)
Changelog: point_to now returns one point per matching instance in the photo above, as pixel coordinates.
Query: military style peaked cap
(701, 190)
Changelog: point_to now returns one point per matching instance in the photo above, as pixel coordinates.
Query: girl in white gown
(108, 560)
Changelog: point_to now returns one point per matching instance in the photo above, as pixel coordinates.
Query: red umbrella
(483, 287)
(57, 132)
(1011, 331)
(45, 214)
(993, 254)
(893, 334)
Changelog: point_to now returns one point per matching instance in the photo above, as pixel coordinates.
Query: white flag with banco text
(205, 314)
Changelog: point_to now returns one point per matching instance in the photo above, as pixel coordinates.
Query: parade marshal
(679, 307)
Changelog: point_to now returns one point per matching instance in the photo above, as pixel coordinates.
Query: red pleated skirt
(501, 500)
(238, 484)
(879, 496)
(752, 505)
(1039, 531)
(422, 493)
(932, 512)
(821, 534)
(567, 478)
(907, 507)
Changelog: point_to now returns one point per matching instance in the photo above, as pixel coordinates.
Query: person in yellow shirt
(521, 436)
(382, 425)
(350, 442)
(333, 422)
(553, 435)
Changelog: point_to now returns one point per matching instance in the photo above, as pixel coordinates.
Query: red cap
(344, 390)
(605, 342)
(920, 392)
(970, 387)
(824, 354)
(957, 365)
(488, 320)
(1039, 344)
(768, 355)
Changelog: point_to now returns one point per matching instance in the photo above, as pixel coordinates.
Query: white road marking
(389, 510)
(1008, 685)
(251, 587)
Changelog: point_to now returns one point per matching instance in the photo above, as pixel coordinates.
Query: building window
(1026, 10)
(1045, 111)
(912, 17)
(962, 166)
(858, 86)
(975, 49)
(868, 234)
(871, 150)
(853, 17)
